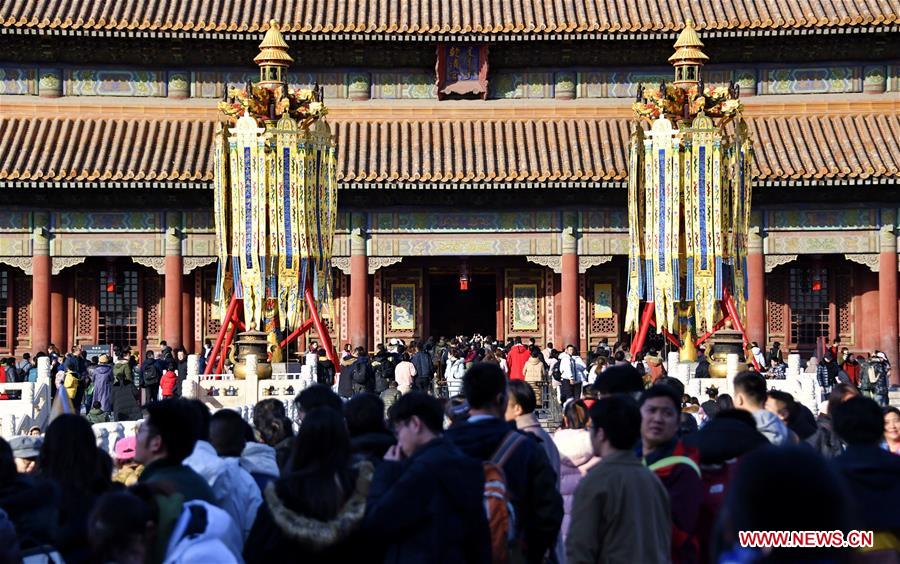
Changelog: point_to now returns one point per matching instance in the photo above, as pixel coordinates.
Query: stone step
(894, 397)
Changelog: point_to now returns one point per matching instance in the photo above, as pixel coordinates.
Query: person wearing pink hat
(128, 471)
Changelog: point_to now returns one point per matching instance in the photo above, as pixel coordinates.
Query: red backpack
(501, 515)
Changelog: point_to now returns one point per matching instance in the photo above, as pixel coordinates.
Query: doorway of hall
(454, 311)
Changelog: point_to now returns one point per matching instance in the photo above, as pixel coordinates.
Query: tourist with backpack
(424, 370)
(150, 377)
(881, 370)
(425, 502)
(621, 509)
(362, 375)
(523, 471)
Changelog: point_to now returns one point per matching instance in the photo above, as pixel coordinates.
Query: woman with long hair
(69, 457)
(311, 513)
(576, 456)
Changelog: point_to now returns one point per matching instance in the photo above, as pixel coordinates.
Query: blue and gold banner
(249, 233)
(635, 230)
(221, 207)
(689, 193)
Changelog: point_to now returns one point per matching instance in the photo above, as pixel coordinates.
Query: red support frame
(232, 323)
(647, 319)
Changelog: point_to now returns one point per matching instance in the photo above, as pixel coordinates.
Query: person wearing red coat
(850, 365)
(516, 358)
(168, 381)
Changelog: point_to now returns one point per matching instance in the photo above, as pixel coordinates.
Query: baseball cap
(125, 448)
(25, 446)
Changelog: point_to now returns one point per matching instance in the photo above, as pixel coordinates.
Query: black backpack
(380, 380)
(556, 373)
(359, 372)
(150, 374)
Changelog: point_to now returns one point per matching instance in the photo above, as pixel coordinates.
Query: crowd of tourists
(440, 451)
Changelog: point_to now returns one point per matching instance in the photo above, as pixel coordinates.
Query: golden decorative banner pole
(275, 211)
(689, 195)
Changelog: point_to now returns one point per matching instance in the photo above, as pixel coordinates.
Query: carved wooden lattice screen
(86, 307)
(843, 299)
(22, 307)
(210, 325)
(118, 308)
(776, 307)
(152, 294)
(809, 299)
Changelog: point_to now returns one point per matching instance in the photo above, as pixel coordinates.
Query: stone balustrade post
(191, 384)
(251, 382)
(732, 363)
(672, 363)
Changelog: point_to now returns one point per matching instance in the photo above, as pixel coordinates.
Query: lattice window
(22, 307)
(117, 321)
(4, 297)
(603, 325)
(151, 305)
(775, 305)
(844, 305)
(211, 325)
(810, 317)
(85, 296)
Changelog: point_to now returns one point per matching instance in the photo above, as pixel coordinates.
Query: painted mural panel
(525, 307)
(403, 307)
(603, 301)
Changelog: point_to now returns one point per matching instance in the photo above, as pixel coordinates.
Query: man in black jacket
(425, 502)
(529, 476)
(424, 370)
(870, 471)
(362, 376)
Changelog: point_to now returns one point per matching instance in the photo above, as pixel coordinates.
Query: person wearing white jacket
(456, 369)
(259, 460)
(204, 533)
(573, 372)
(234, 488)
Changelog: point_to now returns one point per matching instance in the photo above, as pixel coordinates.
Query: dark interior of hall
(453, 311)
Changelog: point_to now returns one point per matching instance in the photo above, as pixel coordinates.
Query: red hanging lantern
(464, 278)
(817, 286)
(111, 278)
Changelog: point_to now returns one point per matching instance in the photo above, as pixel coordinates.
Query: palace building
(482, 162)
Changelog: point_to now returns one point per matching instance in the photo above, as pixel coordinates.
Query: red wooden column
(756, 289)
(359, 279)
(870, 323)
(887, 299)
(174, 280)
(40, 283)
(569, 294)
(59, 309)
